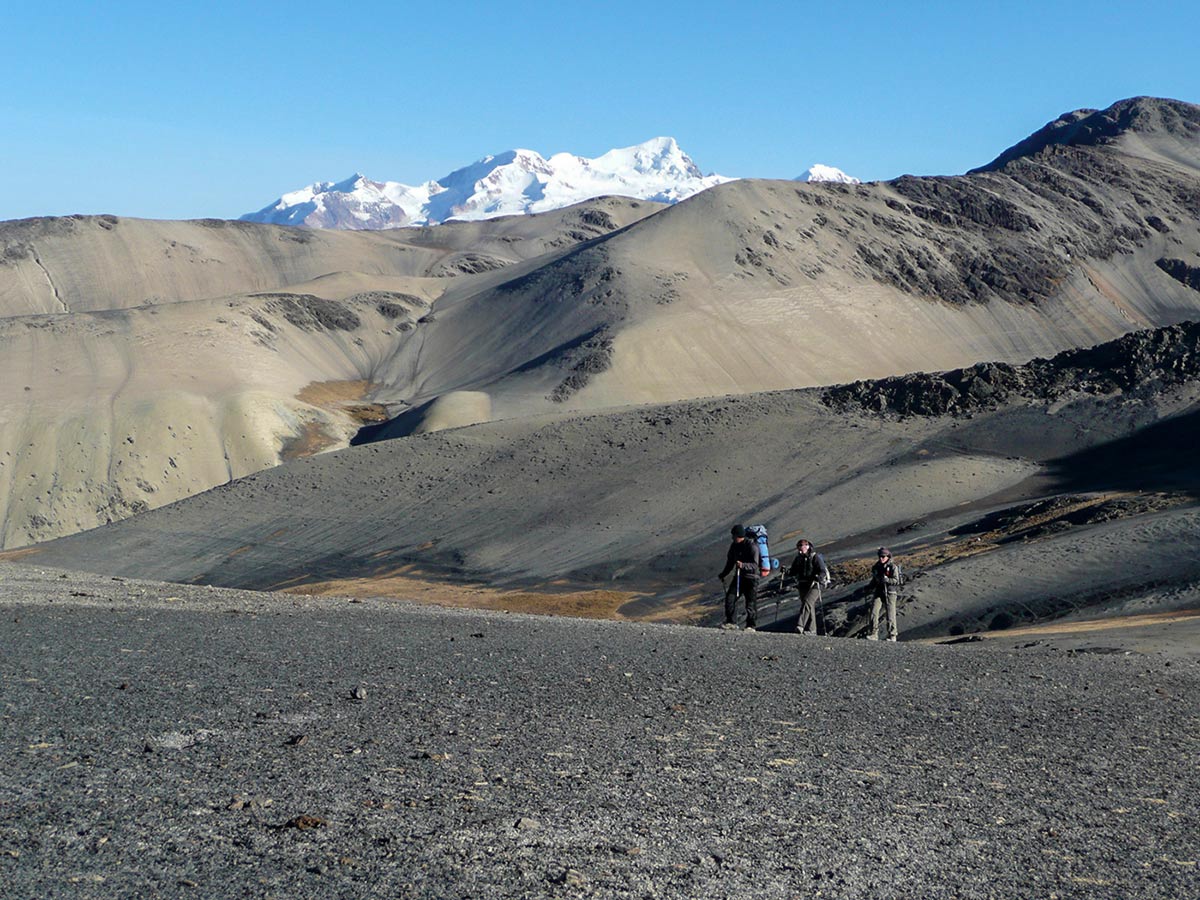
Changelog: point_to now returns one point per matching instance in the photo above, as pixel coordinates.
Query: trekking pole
(737, 590)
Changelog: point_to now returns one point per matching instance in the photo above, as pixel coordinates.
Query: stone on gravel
(305, 822)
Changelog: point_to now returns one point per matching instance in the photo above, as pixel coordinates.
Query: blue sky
(191, 110)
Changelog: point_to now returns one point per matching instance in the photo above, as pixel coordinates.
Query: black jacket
(885, 579)
(743, 552)
(808, 568)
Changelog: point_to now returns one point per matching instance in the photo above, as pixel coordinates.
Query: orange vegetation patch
(671, 604)
(345, 397)
(591, 604)
(311, 440)
(10, 555)
(331, 394)
(367, 413)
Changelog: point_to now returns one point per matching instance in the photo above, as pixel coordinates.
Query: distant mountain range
(513, 183)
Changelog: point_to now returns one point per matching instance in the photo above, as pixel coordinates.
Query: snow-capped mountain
(819, 172)
(519, 181)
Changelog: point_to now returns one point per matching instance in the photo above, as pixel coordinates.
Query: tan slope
(758, 285)
(110, 413)
(106, 414)
(732, 327)
(85, 263)
(113, 411)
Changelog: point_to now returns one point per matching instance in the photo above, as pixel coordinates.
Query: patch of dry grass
(406, 584)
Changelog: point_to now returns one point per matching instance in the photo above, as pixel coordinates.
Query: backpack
(758, 533)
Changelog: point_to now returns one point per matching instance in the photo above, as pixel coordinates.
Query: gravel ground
(168, 741)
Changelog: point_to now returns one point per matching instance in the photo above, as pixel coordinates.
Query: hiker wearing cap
(885, 588)
(743, 560)
(810, 573)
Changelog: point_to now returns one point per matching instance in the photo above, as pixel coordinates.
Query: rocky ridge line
(1138, 363)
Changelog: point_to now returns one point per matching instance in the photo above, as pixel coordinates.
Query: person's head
(738, 532)
(884, 554)
(803, 545)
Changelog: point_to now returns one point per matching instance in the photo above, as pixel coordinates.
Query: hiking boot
(729, 626)
(892, 639)
(751, 628)
(872, 637)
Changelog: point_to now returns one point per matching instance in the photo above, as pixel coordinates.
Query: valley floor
(183, 741)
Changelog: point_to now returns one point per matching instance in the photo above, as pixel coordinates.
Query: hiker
(885, 586)
(744, 561)
(810, 573)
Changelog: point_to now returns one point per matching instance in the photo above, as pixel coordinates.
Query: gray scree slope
(158, 740)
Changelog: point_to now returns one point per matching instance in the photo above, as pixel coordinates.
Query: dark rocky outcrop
(1181, 272)
(311, 313)
(470, 264)
(1139, 362)
(390, 304)
(591, 357)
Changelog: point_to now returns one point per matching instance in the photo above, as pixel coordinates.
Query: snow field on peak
(819, 172)
(516, 182)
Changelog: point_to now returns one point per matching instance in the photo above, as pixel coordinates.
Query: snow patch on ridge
(820, 172)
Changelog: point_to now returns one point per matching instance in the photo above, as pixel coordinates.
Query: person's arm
(823, 570)
(729, 563)
(891, 575)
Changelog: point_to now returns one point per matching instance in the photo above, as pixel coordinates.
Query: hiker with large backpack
(886, 578)
(810, 573)
(744, 561)
(758, 534)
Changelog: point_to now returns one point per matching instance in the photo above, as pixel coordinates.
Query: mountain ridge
(515, 182)
(1098, 127)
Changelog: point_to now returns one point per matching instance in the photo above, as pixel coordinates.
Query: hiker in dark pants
(810, 573)
(743, 560)
(885, 588)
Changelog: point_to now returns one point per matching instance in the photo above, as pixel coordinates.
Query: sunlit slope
(87, 263)
(758, 285)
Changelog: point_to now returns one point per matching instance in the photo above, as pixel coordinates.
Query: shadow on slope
(1159, 457)
(642, 498)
